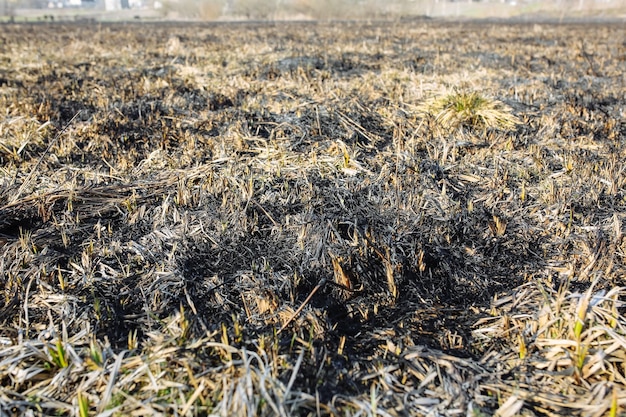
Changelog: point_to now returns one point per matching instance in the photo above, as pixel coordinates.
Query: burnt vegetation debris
(340, 213)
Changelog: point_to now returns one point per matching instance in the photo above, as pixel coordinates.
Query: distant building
(110, 5)
(123, 4)
(64, 3)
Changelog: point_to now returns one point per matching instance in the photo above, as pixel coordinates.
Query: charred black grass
(312, 219)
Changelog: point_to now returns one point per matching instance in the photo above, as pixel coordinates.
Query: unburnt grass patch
(290, 219)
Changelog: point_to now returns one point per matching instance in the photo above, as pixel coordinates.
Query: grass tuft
(470, 110)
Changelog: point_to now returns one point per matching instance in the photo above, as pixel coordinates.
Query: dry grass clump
(256, 220)
(468, 109)
(20, 134)
(568, 349)
(201, 377)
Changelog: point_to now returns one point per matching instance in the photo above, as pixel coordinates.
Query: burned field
(312, 219)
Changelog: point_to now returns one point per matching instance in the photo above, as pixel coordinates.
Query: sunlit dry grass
(468, 109)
